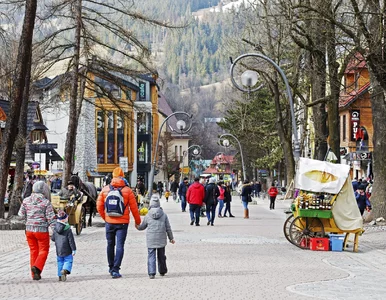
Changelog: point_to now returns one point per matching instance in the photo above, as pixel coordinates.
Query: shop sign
(360, 155)
(142, 90)
(124, 163)
(355, 118)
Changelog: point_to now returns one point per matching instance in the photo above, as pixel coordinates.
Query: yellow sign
(185, 170)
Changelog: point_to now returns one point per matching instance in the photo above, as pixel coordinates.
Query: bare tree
(19, 82)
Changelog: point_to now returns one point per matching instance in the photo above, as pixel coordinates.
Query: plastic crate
(336, 242)
(315, 213)
(320, 244)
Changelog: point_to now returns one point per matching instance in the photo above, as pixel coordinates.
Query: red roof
(345, 99)
(357, 62)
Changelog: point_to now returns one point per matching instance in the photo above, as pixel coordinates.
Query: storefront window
(110, 137)
(143, 123)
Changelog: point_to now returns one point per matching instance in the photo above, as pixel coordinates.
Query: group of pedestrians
(362, 192)
(42, 222)
(210, 195)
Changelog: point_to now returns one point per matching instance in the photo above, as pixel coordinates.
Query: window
(110, 131)
(103, 87)
(143, 123)
(143, 152)
(344, 128)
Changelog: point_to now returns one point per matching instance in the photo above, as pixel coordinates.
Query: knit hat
(62, 215)
(118, 172)
(154, 201)
(38, 187)
(212, 180)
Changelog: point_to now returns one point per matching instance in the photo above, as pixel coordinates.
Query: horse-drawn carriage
(325, 204)
(73, 208)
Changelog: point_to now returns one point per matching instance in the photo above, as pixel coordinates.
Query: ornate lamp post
(225, 143)
(181, 128)
(249, 79)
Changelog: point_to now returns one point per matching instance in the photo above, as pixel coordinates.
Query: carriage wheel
(286, 227)
(302, 229)
(79, 225)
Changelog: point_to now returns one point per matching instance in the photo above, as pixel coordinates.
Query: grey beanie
(154, 201)
(38, 187)
(212, 180)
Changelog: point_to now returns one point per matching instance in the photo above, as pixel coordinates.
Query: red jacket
(130, 203)
(273, 191)
(195, 194)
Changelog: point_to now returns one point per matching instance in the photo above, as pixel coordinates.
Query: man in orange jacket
(117, 226)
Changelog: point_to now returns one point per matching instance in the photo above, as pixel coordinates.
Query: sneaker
(231, 216)
(192, 222)
(225, 216)
(212, 224)
(116, 275)
(162, 274)
(64, 275)
(208, 223)
(151, 276)
(36, 273)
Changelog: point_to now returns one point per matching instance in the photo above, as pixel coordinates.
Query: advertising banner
(320, 176)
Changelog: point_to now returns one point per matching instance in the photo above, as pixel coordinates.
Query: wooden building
(356, 128)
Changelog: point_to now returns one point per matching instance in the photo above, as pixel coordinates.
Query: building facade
(356, 128)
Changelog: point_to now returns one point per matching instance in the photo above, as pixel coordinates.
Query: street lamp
(226, 143)
(181, 126)
(249, 79)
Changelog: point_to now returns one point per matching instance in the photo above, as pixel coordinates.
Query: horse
(88, 189)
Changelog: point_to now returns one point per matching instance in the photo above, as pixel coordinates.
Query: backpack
(114, 204)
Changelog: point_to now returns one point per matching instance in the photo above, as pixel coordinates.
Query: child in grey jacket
(158, 230)
(65, 245)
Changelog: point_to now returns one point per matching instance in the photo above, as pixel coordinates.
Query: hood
(61, 227)
(117, 182)
(118, 172)
(36, 198)
(155, 212)
(196, 185)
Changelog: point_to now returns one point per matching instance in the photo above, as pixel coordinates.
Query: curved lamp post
(249, 79)
(181, 127)
(226, 143)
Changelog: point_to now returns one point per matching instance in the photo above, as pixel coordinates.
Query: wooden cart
(73, 208)
(305, 223)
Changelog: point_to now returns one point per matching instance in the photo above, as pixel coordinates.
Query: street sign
(124, 163)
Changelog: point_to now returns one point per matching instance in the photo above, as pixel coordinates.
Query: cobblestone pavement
(235, 259)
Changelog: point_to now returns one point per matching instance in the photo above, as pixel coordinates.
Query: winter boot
(246, 213)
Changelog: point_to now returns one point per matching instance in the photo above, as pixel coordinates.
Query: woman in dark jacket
(246, 192)
(211, 194)
(227, 200)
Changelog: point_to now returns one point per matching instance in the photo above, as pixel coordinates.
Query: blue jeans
(64, 263)
(245, 204)
(116, 237)
(151, 264)
(195, 210)
(183, 202)
(221, 202)
(211, 211)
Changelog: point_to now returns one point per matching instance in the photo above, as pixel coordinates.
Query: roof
(357, 62)
(347, 99)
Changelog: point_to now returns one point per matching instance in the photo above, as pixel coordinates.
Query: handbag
(249, 198)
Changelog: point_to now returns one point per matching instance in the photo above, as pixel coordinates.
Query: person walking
(182, 189)
(195, 197)
(362, 200)
(158, 230)
(167, 195)
(65, 245)
(38, 213)
(117, 224)
(173, 189)
(220, 198)
(228, 199)
(211, 194)
(246, 191)
(160, 188)
(258, 189)
(272, 192)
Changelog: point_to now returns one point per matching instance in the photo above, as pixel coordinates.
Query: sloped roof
(357, 62)
(346, 99)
